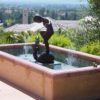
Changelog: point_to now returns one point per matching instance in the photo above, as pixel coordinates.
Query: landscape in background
(69, 11)
(73, 21)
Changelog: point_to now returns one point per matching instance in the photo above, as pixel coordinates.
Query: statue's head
(38, 19)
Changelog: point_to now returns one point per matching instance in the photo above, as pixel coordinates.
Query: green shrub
(92, 48)
(25, 37)
(5, 37)
(33, 37)
(77, 36)
(61, 40)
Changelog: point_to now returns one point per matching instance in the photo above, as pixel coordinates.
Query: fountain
(52, 81)
(68, 75)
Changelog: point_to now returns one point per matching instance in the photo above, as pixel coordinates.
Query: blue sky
(47, 1)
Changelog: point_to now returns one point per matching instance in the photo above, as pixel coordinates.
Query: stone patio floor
(8, 92)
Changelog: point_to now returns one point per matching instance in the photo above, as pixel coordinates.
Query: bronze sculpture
(45, 57)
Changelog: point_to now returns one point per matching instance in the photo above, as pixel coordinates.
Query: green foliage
(1, 28)
(70, 33)
(5, 37)
(20, 37)
(92, 48)
(57, 39)
(95, 7)
(33, 37)
(76, 36)
(61, 40)
(8, 22)
(14, 37)
(90, 30)
(24, 37)
(83, 37)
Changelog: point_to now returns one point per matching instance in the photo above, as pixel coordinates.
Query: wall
(80, 85)
(29, 77)
(47, 84)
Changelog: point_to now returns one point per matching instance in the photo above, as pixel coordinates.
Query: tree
(8, 22)
(95, 7)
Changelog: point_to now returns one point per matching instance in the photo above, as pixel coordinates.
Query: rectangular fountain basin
(80, 81)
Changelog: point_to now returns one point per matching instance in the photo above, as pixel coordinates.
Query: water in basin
(62, 61)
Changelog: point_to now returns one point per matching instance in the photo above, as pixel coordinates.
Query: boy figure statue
(45, 57)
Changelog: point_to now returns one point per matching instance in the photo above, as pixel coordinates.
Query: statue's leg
(46, 37)
(46, 46)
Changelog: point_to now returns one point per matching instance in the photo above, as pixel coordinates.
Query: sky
(47, 1)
